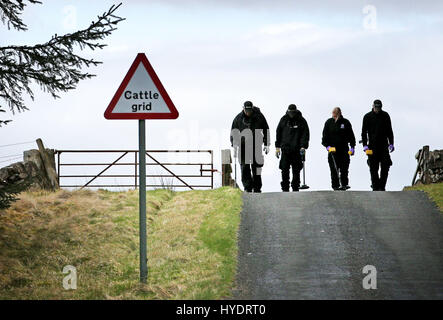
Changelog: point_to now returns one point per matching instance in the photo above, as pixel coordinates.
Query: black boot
(285, 180)
(246, 177)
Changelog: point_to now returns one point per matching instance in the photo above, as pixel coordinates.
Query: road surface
(314, 245)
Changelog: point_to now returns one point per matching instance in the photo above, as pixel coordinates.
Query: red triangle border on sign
(141, 58)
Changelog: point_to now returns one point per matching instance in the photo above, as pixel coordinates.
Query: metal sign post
(141, 96)
(142, 201)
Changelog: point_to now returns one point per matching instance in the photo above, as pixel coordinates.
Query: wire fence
(11, 160)
(10, 156)
(9, 153)
(16, 144)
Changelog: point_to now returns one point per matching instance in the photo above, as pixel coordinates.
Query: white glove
(266, 149)
(277, 152)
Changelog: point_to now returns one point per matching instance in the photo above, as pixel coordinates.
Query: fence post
(212, 170)
(425, 178)
(58, 167)
(227, 169)
(419, 157)
(48, 164)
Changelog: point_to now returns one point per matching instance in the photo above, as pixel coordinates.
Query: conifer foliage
(56, 66)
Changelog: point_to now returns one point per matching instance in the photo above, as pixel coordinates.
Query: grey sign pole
(122, 108)
(142, 201)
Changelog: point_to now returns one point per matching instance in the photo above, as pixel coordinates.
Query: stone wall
(31, 170)
(429, 166)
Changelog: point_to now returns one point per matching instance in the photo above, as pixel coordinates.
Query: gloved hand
(331, 149)
(266, 149)
(302, 151)
(391, 148)
(365, 148)
(277, 152)
(351, 151)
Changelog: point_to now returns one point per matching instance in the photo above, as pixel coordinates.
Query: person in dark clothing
(249, 132)
(291, 143)
(339, 140)
(377, 135)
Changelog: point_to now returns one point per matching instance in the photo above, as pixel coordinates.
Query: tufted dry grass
(192, 244)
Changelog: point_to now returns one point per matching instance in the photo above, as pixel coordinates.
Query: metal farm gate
(203, 171)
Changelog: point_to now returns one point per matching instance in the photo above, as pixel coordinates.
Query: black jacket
(377, 130)
(259, 127)
(338, 134)
(256, 121)
(292, 134)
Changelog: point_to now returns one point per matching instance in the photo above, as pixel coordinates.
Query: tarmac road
(314, 245)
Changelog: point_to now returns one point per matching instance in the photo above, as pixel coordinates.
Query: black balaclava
(377, 104)
(292, 111)
(248, 106)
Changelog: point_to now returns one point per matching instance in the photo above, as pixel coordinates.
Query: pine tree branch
(3, 122)
(54, 65)
(10, 11)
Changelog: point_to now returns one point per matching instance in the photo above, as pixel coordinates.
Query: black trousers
(251, 177)
(379, 160)
(288, 160)
(342, 166)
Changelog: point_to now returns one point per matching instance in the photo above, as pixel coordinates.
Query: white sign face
(141, 95)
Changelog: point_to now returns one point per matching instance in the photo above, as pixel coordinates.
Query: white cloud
(284, 28)
(296, 38)
(299, 38)
(117, 48)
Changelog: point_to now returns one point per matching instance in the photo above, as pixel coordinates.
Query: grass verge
(435, 192)
(192, 244)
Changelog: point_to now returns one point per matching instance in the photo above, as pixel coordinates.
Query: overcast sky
(211, 56)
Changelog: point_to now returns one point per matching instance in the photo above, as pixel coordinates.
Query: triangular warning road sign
(141, 95)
